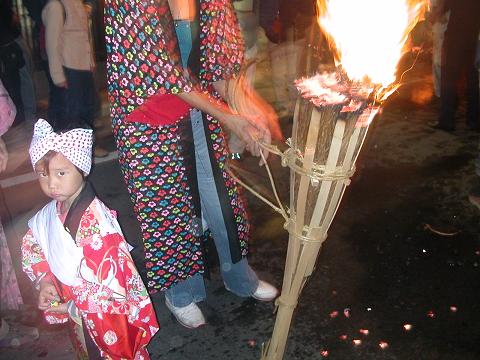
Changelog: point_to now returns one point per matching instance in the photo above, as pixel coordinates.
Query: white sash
(61, 252)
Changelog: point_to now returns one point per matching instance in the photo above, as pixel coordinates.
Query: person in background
(286, 24)
(458, 62)
(439, 20)
(27, 87)
(171, 145)
(474, 195)
(11, 334)
(70, 63)
(76, 255)
(11, 57)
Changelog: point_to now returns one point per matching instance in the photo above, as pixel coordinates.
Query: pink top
(7, 110)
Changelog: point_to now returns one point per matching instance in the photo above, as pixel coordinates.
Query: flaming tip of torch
(388, 22)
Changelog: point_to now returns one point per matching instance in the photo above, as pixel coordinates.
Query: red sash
(160, 109)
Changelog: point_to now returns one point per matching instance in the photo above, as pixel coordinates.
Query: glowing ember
(334, 314)
(383, 345)
(431, 314)
(334, 89)
(407, 327)
(251, 343)
(357, 342)
(453, 309)
(343, 337)
(369, 35)
(364, 331)
(324, 353)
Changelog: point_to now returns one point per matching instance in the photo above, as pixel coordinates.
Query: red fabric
(160, 109)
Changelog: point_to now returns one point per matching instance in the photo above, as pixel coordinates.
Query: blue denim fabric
(239, 278)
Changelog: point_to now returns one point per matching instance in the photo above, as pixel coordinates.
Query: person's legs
(87, 113)
(238, 277)
(56, 100)
(451, 69)
(438, 31)
(187, 291)
(79, 98)
(26, 83)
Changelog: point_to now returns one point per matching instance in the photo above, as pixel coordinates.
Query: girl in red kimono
(76, 255)
(168, 66)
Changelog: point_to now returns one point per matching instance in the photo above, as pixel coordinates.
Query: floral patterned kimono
(95, 274)
(157, 160)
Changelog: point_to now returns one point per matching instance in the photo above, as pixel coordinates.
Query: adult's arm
(244, 127)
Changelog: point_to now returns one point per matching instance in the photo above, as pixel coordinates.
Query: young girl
(77, 257)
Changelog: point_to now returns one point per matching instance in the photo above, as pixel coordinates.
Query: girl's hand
(48, 293)
(61, 308)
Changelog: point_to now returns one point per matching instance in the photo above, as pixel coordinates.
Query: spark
(334, 314)
(357, 342)
(252, 343)
(364, 331)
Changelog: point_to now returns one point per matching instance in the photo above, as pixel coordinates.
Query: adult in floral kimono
(168, 66)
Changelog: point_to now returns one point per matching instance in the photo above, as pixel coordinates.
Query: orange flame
(369, 35)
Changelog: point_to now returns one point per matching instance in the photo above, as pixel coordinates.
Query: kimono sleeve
(117, 287)
(221, 42)
(34, 263)
(36, 267)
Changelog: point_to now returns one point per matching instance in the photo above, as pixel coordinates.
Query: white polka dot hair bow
(75, 144)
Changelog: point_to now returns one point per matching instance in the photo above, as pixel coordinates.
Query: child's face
(62, 182)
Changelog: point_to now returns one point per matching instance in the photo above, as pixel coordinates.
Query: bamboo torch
(322, 154)
(331, 120)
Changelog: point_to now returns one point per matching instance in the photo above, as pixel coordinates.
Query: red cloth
(160, 109)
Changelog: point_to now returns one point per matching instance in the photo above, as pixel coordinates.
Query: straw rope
(290, 227)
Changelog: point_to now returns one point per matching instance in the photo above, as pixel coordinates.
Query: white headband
(75, 144)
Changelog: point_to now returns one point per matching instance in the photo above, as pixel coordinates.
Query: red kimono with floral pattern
(109, 296)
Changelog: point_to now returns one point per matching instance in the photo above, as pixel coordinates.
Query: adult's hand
(250, 130)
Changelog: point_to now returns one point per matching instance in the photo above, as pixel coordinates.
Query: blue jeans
(239, 278)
